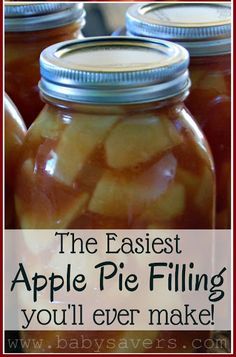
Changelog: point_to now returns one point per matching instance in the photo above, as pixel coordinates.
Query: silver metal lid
(24, 17)
(203, 28)
(114, 70)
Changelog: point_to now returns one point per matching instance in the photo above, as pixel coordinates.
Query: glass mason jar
(15, 132)
(29, 29)
(204, 30)
(210, 102)
(115, 147)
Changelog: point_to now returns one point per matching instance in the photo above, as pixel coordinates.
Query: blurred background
(104, 18)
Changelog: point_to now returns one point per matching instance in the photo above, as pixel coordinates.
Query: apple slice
(59, 220)
(168, 206)
(113, 196)
(215, 81)
(189, 180)
(124, 196)
(138, 140)
(49, 124)
(196, 75)
(80, 138)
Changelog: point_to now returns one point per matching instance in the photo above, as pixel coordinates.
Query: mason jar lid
(114, 70)
(24, 17)
(204, 29)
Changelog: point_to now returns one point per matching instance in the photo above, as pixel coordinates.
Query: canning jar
(204, 30)
(15, 131)
(29, 29)
(115, 147)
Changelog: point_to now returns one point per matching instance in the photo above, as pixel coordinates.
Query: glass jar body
(210, 103)
(95, 167)
(15, 132)
(89, 158)
(22, 74)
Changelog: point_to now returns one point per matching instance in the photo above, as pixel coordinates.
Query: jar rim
(198, 35)
(114, 70)
(42, 16)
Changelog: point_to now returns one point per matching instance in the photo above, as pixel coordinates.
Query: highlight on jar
(205, 31)
(15, 132)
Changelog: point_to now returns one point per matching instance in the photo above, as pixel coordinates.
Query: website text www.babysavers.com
(96, 344)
